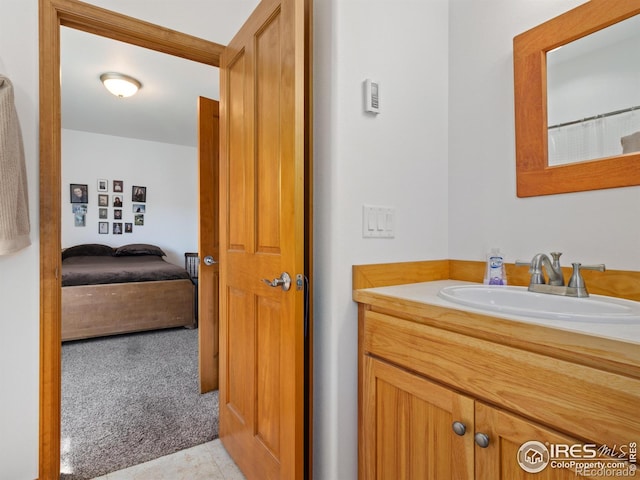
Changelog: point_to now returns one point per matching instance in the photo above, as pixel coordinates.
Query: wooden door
(262, 235)
(406, 427)
(208, 242)
(507, 433)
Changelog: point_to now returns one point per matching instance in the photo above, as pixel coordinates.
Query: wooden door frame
(75, 14)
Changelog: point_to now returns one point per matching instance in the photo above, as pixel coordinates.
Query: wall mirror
(541, 101)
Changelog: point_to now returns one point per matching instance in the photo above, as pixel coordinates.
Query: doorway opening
(117, 27)
(143, 387)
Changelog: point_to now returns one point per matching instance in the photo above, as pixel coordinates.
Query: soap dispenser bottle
(495, 273)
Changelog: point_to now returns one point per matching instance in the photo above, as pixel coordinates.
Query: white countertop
(427, 293)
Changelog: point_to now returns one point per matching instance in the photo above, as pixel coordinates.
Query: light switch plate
(378, 221)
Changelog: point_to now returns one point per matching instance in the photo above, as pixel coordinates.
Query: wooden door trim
(75, 14)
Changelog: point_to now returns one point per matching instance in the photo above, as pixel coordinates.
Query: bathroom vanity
(449, 392)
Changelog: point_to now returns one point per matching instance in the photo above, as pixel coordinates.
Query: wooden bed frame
(98, 310)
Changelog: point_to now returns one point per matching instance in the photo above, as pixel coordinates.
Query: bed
(108, 291)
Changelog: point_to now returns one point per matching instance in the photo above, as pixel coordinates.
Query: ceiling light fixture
(120, 85)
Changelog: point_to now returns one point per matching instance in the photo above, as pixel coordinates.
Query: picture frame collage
(111, 206)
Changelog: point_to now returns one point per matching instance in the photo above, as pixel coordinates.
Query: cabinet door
(406, 427)
(507, 433)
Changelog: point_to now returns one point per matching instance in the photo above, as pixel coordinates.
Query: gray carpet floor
(131, 398)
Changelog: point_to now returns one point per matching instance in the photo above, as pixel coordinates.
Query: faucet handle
(522, 263)
(557, 268)
(576, 281)
(600, 267)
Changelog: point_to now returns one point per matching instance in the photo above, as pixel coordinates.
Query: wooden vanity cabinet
(416, 380)
(405, 430)
(506, 433)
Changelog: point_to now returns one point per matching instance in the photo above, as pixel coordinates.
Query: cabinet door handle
(459, 428)
(482, 440)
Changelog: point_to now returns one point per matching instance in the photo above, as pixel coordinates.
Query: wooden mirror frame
(534, 176)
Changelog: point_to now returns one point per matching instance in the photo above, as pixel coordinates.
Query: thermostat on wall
(371, 96)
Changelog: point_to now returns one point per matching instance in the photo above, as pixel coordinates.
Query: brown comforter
(94, 270)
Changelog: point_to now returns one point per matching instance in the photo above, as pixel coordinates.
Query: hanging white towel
(14, 201)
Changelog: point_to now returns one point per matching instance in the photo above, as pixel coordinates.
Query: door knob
(284, 281)
(208, 260)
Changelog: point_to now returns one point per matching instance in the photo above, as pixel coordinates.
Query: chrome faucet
(576, 286)
(553, 269)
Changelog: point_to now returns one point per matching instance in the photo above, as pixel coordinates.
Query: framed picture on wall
(117, 214)
(128, 227)
(139, 208)
(117, 228)
(117, 201)
(103, 185)
(139, 194)
(80, 214)
(118, 186)
(79, 193)
(138, 219)
(103, 200)
(102, 213)
(103, 228)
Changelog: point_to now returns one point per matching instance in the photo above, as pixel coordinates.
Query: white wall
(398, 158)
(168, 171)
(19, 274)
(589, 227)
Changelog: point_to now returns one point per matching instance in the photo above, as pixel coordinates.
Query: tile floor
(208, 461)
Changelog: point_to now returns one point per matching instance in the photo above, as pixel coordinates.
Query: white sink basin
(519, 301)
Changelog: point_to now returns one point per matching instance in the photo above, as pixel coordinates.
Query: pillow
(88, 249)
(139, 249)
